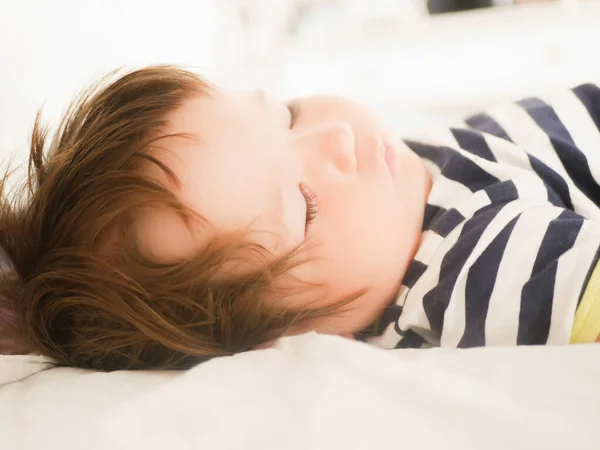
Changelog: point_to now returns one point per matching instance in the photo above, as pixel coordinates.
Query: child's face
(248, 165)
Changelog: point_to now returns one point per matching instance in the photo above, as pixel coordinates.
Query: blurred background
(420, 63)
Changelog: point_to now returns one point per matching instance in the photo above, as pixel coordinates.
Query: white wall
(417, 72)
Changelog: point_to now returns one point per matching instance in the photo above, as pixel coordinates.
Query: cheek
(362, 244)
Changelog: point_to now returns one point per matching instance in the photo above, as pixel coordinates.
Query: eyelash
(312, 206)
(293, 109)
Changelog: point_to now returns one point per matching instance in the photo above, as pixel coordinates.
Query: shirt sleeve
(513, 275)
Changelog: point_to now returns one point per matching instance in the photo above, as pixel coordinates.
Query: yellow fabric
(586, 326)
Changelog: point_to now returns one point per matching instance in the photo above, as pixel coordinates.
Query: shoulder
(511, 273)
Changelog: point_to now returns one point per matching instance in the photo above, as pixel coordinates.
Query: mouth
(389, 153)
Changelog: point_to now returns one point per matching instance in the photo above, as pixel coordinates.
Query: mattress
(313, 392)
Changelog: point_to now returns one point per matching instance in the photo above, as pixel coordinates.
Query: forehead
(223, 175)
(217, 117)
(197, 114)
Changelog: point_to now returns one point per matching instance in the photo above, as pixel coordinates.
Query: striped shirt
(511, 230)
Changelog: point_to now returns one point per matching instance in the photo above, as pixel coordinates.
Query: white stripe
(447, 192)
(572, 270)
(515, 166)
(470, 206)
(509, 155)
(430, 242)
(518, 169)
(502, 322)
(454, 318)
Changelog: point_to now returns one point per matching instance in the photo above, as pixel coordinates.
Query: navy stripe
(485, 123)
(589, 96)
(454, 165)
(436, 301)
(438, 155)
(413, 273)
(397, 329)
(465, 171)
(502, 192)
(474, 143)
(479, 288)
(411, 340)
(390, 315)
(447, 222)
(572, 158)
(431, 212)
(556, 186)
(538, 293)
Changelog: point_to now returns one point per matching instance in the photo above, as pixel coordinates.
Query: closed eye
(311, 205)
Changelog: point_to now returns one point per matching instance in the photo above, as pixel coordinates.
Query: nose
(332, 144)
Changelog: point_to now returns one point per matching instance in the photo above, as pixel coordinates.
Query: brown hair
(79, 288)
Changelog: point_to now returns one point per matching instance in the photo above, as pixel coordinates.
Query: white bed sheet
(314, 392)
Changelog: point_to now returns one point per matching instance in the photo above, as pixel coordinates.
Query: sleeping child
(167, 222)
